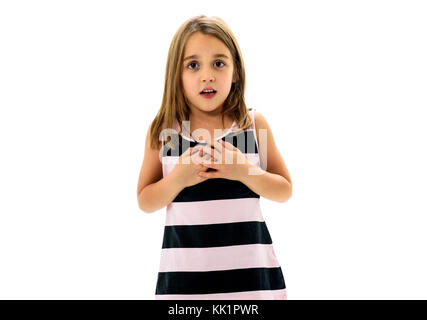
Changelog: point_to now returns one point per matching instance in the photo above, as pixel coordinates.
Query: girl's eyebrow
(218, 55)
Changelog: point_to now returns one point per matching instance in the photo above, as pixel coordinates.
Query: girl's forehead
(200, 44)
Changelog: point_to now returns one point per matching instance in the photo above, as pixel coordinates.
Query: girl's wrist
(174, 180)
(245, 168)
(250, 170)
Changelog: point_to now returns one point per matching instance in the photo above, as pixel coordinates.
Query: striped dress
(216, 244)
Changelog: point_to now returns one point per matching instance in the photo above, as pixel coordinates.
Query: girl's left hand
(227, 161)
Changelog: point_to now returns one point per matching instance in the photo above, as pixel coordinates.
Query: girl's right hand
(189, 165)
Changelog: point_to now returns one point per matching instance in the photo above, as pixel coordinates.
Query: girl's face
(207, 63)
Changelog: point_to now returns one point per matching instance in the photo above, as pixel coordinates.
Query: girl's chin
(207, 106)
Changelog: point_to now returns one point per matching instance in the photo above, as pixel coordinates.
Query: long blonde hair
(174, 103)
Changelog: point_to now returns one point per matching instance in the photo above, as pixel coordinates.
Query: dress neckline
(233, 125)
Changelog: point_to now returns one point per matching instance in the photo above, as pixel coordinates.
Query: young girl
(216, 244)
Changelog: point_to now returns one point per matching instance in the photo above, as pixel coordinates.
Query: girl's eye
(192, 63)
(220, 62)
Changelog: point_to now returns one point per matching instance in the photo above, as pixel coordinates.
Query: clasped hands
(224, 159)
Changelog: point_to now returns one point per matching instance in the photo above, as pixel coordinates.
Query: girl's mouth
(208, 95)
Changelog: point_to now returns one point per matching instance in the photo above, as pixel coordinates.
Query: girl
(216, 244)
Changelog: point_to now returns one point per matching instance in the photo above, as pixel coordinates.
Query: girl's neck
(209, 121)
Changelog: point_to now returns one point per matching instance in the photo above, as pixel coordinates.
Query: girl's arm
(155, 191)
(275, 183)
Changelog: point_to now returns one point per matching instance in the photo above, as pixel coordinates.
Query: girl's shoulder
(273, 158)
(259, 119)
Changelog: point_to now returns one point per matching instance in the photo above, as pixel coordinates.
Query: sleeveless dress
(216, 244)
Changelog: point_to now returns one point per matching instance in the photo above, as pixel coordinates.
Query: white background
(341, 83)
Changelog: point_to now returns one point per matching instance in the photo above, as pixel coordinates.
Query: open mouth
(208, 92)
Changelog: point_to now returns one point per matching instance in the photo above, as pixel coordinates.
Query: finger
(206, 161)
(206, 158)
(208, 164)
(229, 151)
(216, 151)
(220, 146)
(206, 151)
(215, 145)
(185, 155)
(210, 174)
(218, 155)
(196, 157)
(195, 149)
(228, 145)
(202, 152)
(211, 154)
(189, 151)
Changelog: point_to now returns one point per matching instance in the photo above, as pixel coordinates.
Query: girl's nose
(208, 76)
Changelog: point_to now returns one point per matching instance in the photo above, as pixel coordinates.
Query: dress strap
(252, 114)
(260, 154)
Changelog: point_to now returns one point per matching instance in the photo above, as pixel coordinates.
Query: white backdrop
(341, 83)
